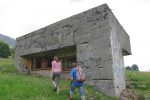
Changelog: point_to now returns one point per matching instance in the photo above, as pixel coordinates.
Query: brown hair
(55, 58)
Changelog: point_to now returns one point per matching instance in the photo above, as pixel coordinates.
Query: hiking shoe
(70, 98)
(54, 89)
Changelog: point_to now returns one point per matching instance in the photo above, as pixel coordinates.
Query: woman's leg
(58, 82)
(53, 81)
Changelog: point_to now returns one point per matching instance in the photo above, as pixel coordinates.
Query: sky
(19, 17)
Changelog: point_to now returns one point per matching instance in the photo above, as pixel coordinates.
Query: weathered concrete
(100, 40)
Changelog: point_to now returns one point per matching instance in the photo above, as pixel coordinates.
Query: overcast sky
(19, 17)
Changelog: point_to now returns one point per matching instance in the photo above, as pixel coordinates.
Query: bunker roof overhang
(53, 52)
(76, 29)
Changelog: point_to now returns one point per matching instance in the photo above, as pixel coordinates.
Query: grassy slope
(7, 65)
(140, 82)
(28, 87)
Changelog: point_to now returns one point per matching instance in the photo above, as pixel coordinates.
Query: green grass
(140, 82)
(14, 86)
(7, 65)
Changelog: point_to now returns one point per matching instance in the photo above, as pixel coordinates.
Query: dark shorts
(56, 75)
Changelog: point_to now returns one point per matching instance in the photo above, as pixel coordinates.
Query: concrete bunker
(94, 38)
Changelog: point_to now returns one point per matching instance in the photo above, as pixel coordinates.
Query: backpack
(80, 75)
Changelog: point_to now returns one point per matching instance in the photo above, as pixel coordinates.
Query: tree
(128, 68)
(12, 50)
(4, 50)
(135, 67)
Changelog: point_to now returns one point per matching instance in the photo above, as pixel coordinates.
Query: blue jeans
(80, 88)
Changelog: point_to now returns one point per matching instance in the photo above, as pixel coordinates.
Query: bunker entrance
(43, 60)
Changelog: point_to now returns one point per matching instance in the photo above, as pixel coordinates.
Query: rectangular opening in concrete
(43, 60)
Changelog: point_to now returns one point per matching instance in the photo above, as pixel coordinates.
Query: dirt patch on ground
(128, 94)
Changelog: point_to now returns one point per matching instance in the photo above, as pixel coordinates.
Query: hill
(8, 40)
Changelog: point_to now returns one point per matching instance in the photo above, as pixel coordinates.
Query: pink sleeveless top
(56, 66)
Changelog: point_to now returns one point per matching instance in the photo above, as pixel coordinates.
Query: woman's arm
(52, 70)
(51, 73)
(61, 65)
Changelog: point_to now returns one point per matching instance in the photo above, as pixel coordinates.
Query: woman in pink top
(56, 73)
